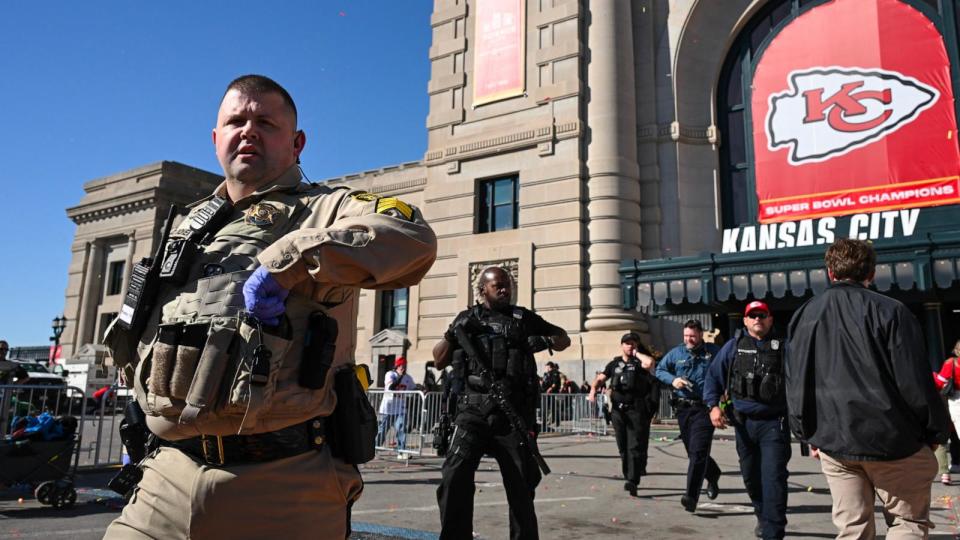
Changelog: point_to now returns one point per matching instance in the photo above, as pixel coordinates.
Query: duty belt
(683, 403)
(220, 451)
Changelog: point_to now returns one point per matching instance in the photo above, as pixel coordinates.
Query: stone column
(90, 299)
(613, 188)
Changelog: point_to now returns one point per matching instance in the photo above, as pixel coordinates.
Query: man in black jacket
(859, 391)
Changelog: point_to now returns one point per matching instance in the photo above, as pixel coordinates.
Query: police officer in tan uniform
(255, 314)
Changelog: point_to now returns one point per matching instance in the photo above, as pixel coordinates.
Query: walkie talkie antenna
(167, 227)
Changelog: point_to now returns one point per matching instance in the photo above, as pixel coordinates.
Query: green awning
(925, 266)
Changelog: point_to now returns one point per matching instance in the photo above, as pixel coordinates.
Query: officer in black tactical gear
(749, 368)
(490, 347)
(634, 395)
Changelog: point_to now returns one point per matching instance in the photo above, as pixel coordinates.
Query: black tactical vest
(756, 373)
(501, 339)
(629, 383)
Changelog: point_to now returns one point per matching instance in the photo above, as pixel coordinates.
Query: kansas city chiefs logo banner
(852, 111)
(831, 111)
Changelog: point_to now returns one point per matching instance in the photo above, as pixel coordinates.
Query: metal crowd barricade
(106, 413)
(25, 400)
(572, 413)
(401, 421)
(418, 414)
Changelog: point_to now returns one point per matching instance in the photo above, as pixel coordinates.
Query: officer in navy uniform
(635, 395)
(685, 369)
(749, 368)
(508, 336)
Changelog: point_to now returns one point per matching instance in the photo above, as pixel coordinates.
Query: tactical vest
(628, 383)
(756, 372)
(200, 372)
(503, 343)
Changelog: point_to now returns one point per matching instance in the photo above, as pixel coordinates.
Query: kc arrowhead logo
(829, 111)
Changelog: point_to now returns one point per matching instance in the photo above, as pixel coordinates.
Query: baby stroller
(42, 451)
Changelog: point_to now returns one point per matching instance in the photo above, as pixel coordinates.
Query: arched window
(738, 194)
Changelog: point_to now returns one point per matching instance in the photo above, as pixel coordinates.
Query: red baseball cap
(401, 361)
(756, 305)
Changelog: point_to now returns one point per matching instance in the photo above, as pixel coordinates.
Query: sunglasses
(759, 316)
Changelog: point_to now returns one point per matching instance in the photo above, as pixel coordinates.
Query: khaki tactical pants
(304, 496)
(903, 486)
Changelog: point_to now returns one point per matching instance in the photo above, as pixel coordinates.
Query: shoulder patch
(394, 206)
(363, 196)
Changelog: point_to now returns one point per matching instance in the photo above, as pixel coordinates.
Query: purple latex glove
(264, 297)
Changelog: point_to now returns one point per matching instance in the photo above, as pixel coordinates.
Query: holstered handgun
(136, 439)
(352, 427)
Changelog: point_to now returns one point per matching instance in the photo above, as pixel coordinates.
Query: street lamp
(59, 323)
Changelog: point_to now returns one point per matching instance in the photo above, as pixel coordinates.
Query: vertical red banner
(498, 50)
(852, 111)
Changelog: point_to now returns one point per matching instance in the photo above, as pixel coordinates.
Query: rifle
(443, 431)
(500, 399)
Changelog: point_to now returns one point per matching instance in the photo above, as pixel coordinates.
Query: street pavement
(582, 497)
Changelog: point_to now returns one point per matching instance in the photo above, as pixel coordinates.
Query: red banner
(852, 111)
(498, 50)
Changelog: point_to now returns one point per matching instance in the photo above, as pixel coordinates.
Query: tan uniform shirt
(338, 241)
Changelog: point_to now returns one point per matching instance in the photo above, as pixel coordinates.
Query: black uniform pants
(631, 426)
(696, 430)
(764, 450)
(519, 470)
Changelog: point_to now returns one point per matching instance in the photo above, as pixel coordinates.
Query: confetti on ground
(614, 520)
(809, 488)
(20, 500)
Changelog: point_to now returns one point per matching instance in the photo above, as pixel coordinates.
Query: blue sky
(90, 89)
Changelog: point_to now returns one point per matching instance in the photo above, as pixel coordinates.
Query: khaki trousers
(304, 496)
(903, 486)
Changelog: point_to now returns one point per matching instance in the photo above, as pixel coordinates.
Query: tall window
(738, 192)
(499, 204)
(115, 278)
(393, 309)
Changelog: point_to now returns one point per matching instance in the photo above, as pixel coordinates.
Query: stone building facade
(607, 151)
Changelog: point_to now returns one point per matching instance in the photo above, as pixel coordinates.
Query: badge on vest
(775, 344)
(363, 196)
(261, 214)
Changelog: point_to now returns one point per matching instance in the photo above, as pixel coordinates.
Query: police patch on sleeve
(261, 214)
(394, 207)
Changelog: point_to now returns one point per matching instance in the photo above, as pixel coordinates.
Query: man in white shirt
(393, 408)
